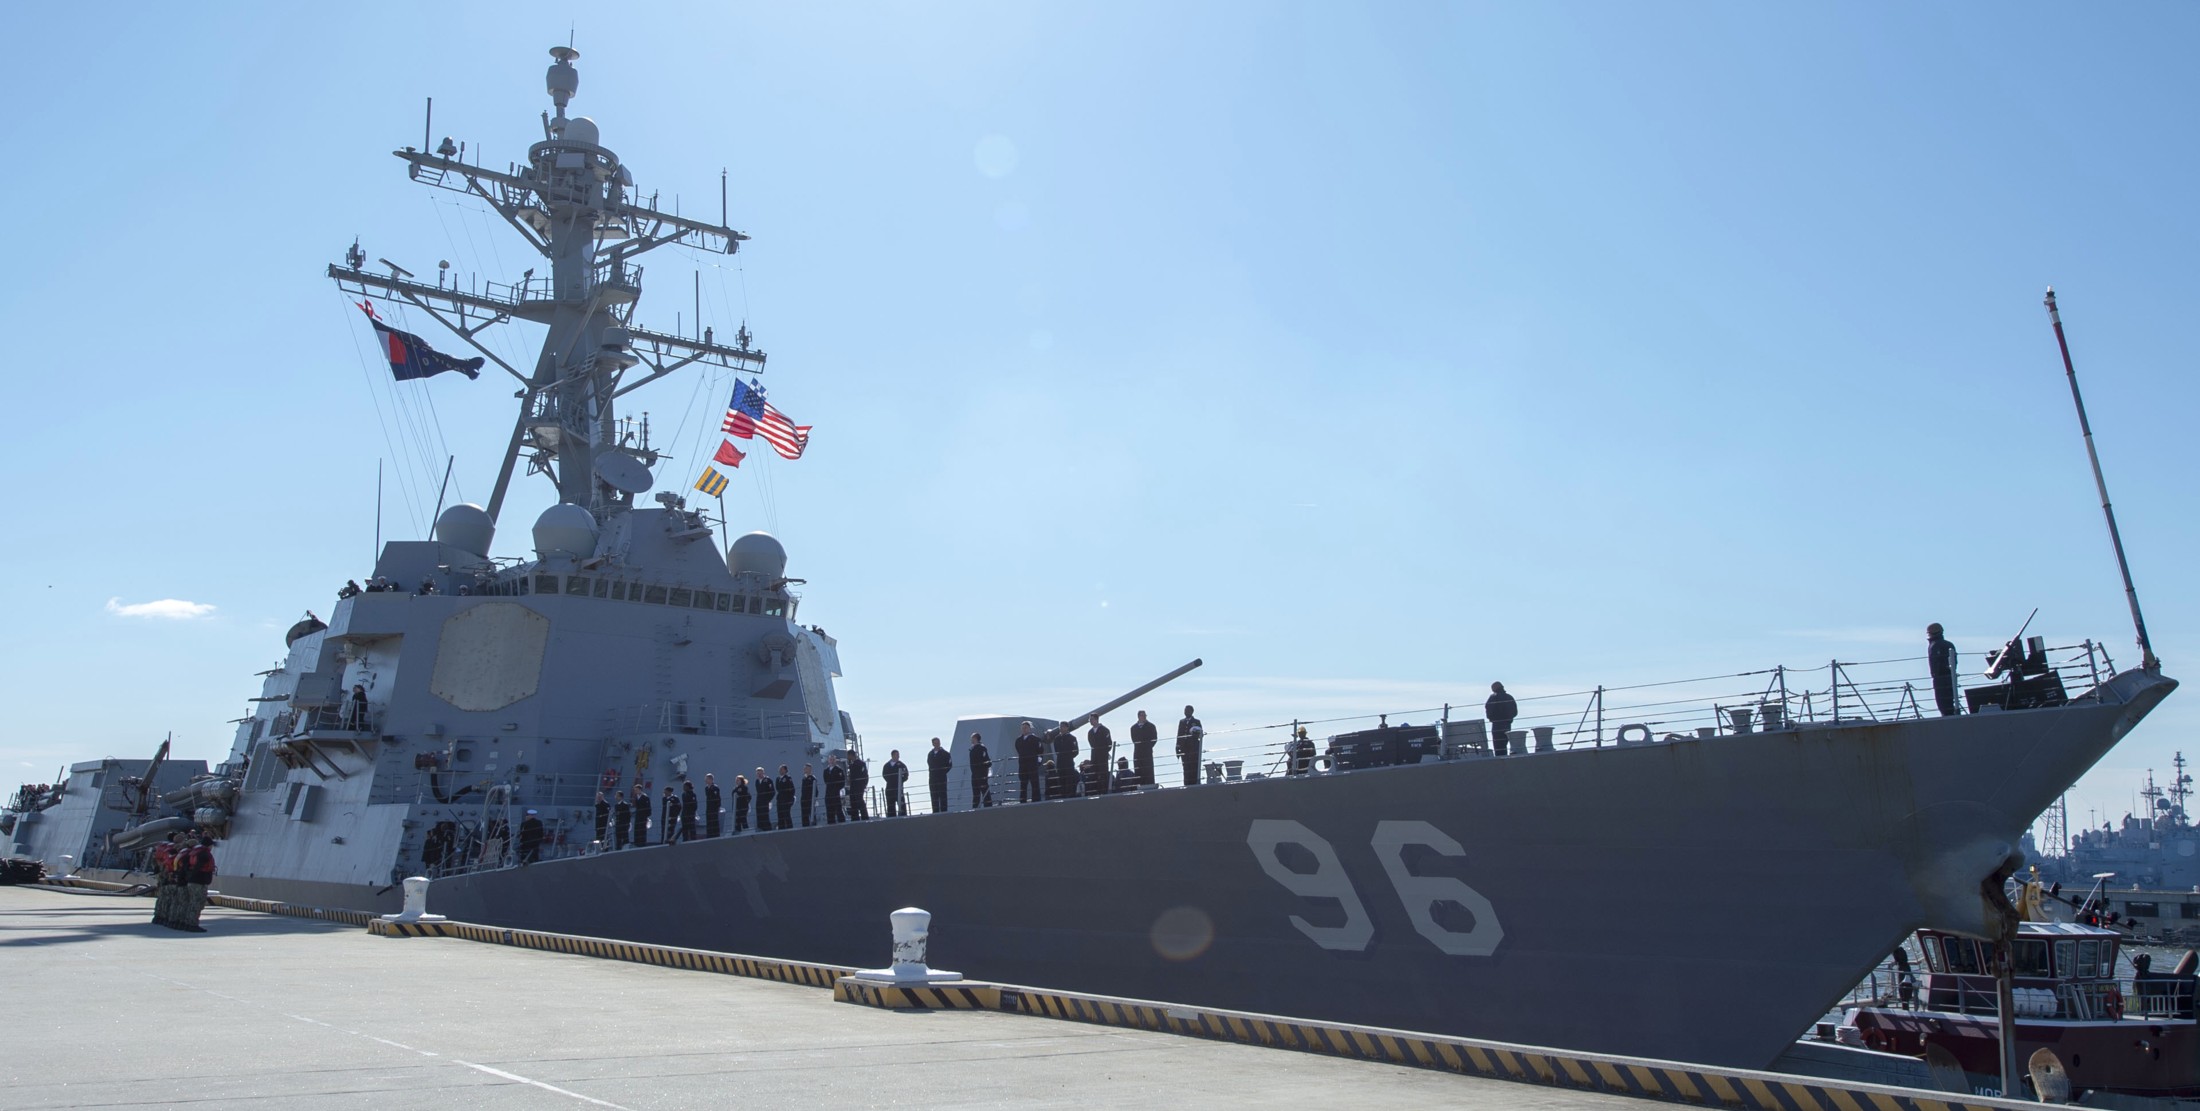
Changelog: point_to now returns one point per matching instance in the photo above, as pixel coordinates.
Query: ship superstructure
(411, 731)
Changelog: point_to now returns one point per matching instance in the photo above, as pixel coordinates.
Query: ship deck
(107, 1010)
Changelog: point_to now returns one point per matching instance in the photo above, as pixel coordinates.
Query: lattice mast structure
(575, 203)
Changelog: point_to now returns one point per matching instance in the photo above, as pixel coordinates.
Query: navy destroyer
(414, 730)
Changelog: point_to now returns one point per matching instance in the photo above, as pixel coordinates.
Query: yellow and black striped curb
(95, 885)
(696, 960)
(1629, 1076)
(269, 906)
(1702, 1085)
(957, 996)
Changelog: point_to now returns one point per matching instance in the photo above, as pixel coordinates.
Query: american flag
(749, 415)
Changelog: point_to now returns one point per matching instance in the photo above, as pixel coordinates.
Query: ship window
(2089, 959)
(2031, 958)
(1962, 954)
(682, 597)
(1931, 948)
(618, 591)
(654, 595)
(2066, 958)
(546, 584)
(756, 604)
(703, 600)
(603, 588)
(2188, 910)
(775, 607)
(2143, 910)
(725, 602)
(576, 584)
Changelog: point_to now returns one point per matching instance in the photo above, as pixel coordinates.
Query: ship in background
(626, 647)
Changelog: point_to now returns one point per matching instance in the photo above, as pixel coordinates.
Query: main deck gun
(1113, 704)
(2010, 657)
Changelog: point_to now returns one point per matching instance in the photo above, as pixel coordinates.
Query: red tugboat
(2135, 1036)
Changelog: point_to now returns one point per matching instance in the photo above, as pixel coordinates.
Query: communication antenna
(2147, 662)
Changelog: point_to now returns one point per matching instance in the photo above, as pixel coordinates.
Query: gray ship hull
(1695, 900)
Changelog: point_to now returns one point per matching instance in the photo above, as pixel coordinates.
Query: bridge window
(2031, 958)
(682, 597)
(725, 602)
(576, 584)
(546, 584)
(603, 587)
(1962, 955)
(654, 595)
(618, 591)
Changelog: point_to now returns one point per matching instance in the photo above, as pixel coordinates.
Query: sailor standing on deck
(688, 806)
(1940, 659)
(859, 786)
(836, 784)
(622, 819)
(740, 803)
(896, 773)
(530, 839)
(1189, 734)
(1065, 763)
(809, 797)
(668, 816)
(1102, 742)
(767, 793)
(1143, 736)
(713, 804)
(786, 798)
(603, 817)
(981, 773)
(1501, 710)
(939, 761)
(1027, 766)
(641, 816)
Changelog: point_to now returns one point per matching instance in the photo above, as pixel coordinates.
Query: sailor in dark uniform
(1501, 709)
(981, 773)
(836, 784)
(740, 803)
(767, 792)
(641, 816)
(712, 801)
(1027, 767)
(622, 820)
(1940, 659)
(603, 818)
(859, 786)
(688, 807)
(939, 761)
(530, 839)
(668, 816)
(809, 797)
(1189, 735)
(1102, 742)
(1065, 762)
(786, 798)
(1143, 737)
(895, 773)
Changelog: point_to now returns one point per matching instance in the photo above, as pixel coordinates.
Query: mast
(574, 202)
(2147, 662)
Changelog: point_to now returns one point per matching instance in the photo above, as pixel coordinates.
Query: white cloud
(174, 609)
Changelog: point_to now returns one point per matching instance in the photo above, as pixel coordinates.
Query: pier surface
(107, 1010)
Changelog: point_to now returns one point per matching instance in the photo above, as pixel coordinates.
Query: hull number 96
(1419, 894)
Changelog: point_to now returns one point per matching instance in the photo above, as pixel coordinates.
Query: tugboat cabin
(2062, 970)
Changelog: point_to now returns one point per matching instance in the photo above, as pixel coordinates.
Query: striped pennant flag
(712, 483)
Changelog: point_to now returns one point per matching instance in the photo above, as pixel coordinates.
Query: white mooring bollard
(912, 933)
(416, 903)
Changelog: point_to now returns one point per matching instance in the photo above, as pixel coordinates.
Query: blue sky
(1368, 352)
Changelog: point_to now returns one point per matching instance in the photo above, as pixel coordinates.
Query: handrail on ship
(1841, 691)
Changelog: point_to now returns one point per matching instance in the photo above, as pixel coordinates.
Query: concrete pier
(107, 1010)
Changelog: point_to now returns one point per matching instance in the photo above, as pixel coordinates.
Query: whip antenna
(2147, 662)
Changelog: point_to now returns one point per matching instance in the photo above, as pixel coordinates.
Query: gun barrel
(1114, 704)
